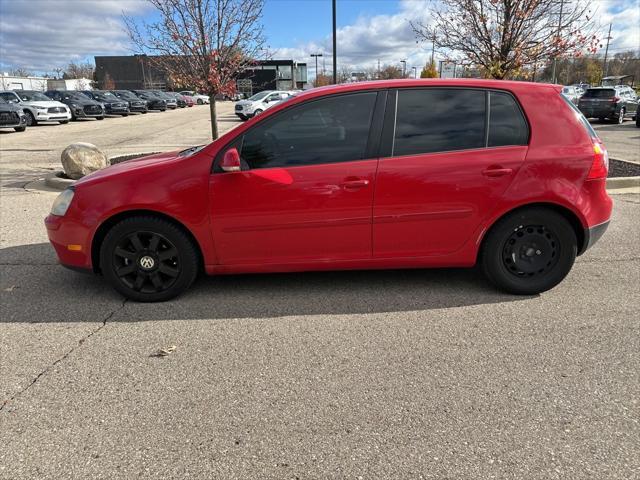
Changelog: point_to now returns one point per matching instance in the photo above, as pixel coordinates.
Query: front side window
(507, 125)
(439, 120)
(328, 130)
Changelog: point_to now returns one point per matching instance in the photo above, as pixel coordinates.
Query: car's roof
(423, 82)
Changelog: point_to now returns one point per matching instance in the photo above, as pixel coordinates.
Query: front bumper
(52, 117)
(71, 241)
(22, 122)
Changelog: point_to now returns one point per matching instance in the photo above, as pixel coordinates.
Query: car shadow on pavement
(34, 288)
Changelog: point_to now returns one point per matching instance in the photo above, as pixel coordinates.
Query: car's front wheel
(621, 116)
(20, 129)
(31, 120)
(148, 259)
(63, 122)
(529, 251)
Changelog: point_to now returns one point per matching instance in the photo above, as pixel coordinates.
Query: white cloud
(388, 38)
(40, 35)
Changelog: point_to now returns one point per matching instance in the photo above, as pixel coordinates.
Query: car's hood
(246, 102)
(141, 163)
(44, 104)
(4, 107)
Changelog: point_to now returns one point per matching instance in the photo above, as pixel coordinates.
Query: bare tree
(202, 44)
(390, 72)
(20, 72)
(502, 37)
(79, 70)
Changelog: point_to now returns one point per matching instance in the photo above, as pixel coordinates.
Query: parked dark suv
(12, 116)
(112, 104)
(614, 103)
(153, 101)
(136, 104)
(80, 105)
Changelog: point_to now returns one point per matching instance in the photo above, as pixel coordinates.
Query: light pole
(415, 72)
(316, 55)
(404, 68)
(335, 59)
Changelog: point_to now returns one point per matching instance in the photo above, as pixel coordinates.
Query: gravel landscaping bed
(618, 168)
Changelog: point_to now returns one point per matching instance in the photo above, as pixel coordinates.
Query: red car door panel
(293, 214)
(430, 204)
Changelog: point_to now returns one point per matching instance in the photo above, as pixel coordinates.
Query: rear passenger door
(448, 155)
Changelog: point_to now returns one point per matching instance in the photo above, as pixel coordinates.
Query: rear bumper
(593, 234)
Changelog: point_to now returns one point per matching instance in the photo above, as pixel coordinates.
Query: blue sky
(40, 35)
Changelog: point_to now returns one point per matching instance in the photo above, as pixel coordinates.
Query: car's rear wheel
(31, 120)
(621, 116)
(529, 251)
(63, 122)
(99, 118)
(148, 259)
(19, 129)
(199, 101)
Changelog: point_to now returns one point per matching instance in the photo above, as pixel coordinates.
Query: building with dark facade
(137, 72)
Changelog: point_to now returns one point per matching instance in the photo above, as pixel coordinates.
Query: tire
(529, 251)
(99, 118)
(19, 129)
(257, 112)
(31, 120)
(199, 101)
(144, 111)
(64, 122)
(621, 116)
(172, 263)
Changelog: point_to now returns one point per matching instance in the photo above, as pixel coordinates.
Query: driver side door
(305, 191)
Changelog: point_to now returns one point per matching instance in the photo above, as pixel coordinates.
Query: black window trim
(388, 146)
(374, 139)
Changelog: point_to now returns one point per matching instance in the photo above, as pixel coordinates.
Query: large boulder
(80, 159)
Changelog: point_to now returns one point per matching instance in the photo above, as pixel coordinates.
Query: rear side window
(439, 120)
(600, 93)
(328, 130)
(507, 125)
(585, 123)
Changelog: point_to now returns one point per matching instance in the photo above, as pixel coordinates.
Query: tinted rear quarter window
(507, 125)
(439, 120)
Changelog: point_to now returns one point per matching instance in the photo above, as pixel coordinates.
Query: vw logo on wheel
(147, 262)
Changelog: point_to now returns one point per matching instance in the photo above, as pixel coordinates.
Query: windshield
(260, 95)
(105, 95)
(76, 96)
(600, 93)
(125, 94)
(33, 97)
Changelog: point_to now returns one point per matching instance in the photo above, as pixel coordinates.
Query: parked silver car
(37, 106)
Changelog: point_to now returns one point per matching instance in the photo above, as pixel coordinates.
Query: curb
(622, 182)
(52, 180)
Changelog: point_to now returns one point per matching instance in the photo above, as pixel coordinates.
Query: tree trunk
(214, 116)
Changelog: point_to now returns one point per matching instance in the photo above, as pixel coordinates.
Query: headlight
(62, 202)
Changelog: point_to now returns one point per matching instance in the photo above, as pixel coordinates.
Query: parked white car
(258, 103)
(37, 106)
(197, 97)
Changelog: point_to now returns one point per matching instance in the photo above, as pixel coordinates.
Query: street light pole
(335, 59)
(316, 55)
(415, 72)
(404, 68)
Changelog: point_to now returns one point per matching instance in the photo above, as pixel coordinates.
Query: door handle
(354, 184)
(497, 172)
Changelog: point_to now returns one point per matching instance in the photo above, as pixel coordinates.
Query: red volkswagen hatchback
(397, 174)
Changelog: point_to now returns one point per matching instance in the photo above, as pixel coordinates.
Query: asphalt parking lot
(384, 374)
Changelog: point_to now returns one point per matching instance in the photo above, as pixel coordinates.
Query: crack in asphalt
(63, 357)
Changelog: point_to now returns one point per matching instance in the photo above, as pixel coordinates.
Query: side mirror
(230, 161)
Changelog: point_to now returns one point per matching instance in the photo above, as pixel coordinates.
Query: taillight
(615, 99)
(600, 165)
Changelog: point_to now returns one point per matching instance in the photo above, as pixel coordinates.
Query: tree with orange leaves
(201, 44)
(504, 37)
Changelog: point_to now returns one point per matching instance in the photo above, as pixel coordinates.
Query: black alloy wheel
(148, 259)
(31, 120)
(529, 251)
